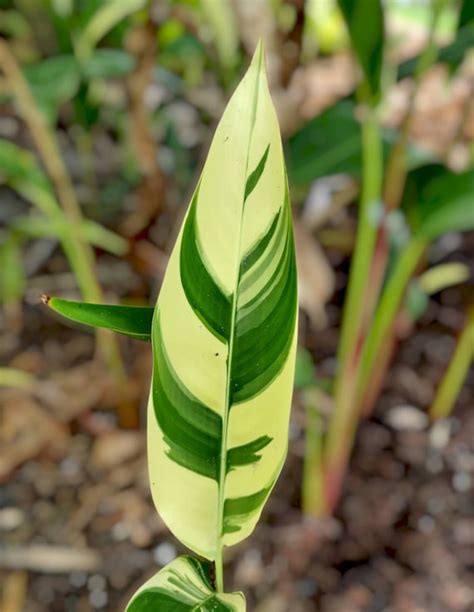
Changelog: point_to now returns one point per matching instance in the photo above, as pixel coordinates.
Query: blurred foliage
(82, 58)
(12, 278)
(336, 133)
(365, 22)
(438, 200)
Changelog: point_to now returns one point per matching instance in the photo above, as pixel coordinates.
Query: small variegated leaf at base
(184, 586)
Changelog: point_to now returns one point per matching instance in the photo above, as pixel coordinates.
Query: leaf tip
(259, 54)
(45, 299)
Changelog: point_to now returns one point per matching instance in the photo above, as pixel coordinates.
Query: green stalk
(312, 493)
(219, 565)
(368, 398)
(387, 311)
(344, 419)
(397, 166)
(366, 236)
(350, 390)
(396, 170)
(394, 184)
(456, 373)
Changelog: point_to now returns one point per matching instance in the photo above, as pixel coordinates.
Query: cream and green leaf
(184, 585)
(224, 335)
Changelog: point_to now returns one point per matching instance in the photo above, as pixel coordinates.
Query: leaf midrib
(225, 416)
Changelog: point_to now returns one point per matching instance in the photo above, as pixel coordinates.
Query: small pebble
(120, 532)
(462, 482)
(69, 466)
(307, 587)
(164, 553)
(451, 241)
(407, 418)
(98, 599)
(249, 571)
(96, 583)
(434, 464)
(78, 579)
(11, 518)
(440, 433)
(436, 505)
(426, 524)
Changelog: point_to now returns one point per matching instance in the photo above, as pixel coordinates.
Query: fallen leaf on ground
(49, 559)
(116, 447)
(26, 430)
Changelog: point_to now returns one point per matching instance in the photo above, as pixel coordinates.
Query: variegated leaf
(224, 334)
(184, 586)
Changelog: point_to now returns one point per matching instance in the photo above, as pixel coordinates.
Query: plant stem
(396, 171)
(375, 383)
(366, 234)
(396, 167)
(77, 249)
(351, 390)
(312, 493)
(344, 419)
(387, 311)
(394, 184)
(456, 373)
(219, 564)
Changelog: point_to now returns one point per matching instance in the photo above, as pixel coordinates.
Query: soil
(79, 531)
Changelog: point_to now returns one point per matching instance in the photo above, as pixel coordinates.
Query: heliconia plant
(224, 341)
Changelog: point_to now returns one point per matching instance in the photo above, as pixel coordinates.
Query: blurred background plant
(107, 108)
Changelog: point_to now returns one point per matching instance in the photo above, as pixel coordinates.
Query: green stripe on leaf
(192, 431)
(256, 174)
(246, 454)
(237, 509)
(203, 294)
(258, 357)
(256, 252)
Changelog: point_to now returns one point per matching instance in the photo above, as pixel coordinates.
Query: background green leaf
(107, 64)
(365, 22)
(331, 143)
(437, 200)
(53, 82)
(453, 53)
(12, 276)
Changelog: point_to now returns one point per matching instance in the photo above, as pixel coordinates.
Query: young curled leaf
(133, 321)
